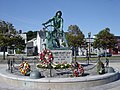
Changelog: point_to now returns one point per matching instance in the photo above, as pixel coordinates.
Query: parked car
(103, 54)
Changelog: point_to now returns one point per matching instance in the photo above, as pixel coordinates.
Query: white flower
(46, 57)
(45, 65)
(65, 64)
(53, 66)
(62, 66)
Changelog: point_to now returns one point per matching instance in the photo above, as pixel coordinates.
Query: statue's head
(58, 14)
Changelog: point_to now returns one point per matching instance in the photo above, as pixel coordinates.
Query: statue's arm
(50, 20)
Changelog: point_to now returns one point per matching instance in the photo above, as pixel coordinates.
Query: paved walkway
(111, 86)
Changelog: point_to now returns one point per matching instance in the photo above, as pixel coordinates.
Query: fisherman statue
(56, 34)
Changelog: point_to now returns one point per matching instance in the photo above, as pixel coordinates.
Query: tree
(9, 36)
(3, 43)
(31, 35)
(104, 39)
(19, 43)
(75, 37)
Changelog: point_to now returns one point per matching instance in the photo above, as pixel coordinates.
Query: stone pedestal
(61, 56)
(110, 70)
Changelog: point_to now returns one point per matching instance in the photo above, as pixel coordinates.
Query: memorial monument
(56, 72)
(56, 40)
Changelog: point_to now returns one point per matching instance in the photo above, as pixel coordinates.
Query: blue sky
(90, 15)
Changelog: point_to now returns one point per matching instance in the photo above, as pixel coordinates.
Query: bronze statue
(55, 35)
(56, 23)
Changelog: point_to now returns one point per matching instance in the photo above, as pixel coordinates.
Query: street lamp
(89, 35)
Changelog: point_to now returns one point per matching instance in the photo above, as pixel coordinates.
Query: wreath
(78, 69)
(25, 68)
(46, 56)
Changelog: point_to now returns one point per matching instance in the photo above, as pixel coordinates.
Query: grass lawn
(102, 58)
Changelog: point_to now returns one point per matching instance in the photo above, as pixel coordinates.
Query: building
(116, 50)
(32, 47)
(36, 45)
(88, 48)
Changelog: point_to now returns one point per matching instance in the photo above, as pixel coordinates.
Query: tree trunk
(75, 53)
(4, 53)
(105, 53)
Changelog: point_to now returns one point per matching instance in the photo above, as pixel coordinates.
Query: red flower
(46, 56)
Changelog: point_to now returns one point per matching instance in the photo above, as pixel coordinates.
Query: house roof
(30, 43)
(32, 40)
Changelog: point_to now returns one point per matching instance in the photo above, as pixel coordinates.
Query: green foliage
(4, 41)
(64, 44)
(18, 42)
(104, 39)
(74, 36)
(55, 66)
(18, 51)
(31, 35)
(9, 36)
